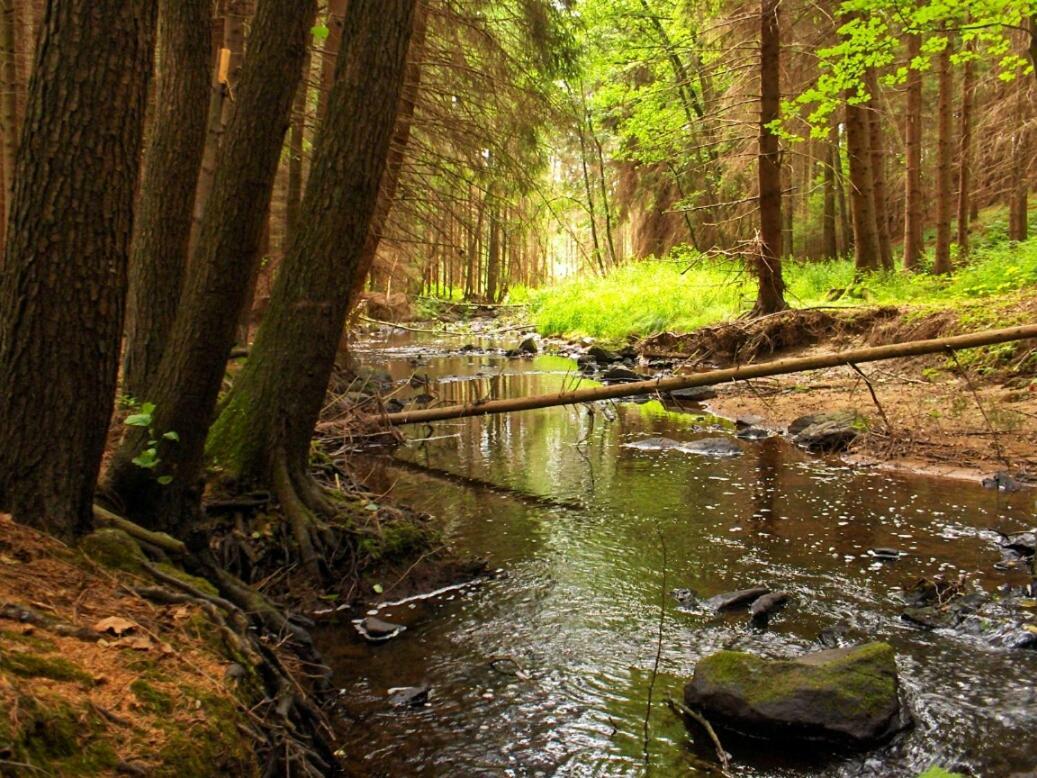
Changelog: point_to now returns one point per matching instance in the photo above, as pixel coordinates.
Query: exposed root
(302, 520)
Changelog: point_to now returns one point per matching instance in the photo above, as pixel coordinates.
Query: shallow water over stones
(544, 670)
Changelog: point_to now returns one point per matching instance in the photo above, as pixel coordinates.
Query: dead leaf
(181, 613)
(115, 625)
(135, 642)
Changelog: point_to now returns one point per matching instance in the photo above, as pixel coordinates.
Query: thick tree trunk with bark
(942, 254)
(63, 284)
(296, 140)
(862, 195)
(162, 226)
(329, 54)
(770, 295)
(264, 430)
(1018, 210)
(15, 50)
(191, 371)
(913, 160)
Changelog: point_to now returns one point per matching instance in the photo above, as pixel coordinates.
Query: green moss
(938, 772)
(198, 583)
(150, 698)
(30, 641)
(217, 748)
(29, 665)
(856, 679)
(114, 549)
(58, 739)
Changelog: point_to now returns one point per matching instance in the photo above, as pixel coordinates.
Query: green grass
(685, 293)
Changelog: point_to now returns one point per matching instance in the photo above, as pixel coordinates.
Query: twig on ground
(996, 438)
(874, 397)
(677, 707)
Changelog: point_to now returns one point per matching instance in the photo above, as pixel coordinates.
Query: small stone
(602, 355)
(712, 447)
(885, 553)
(693, 394)
(622, 375)
(529, 346)
(378, 629)
(413, 696)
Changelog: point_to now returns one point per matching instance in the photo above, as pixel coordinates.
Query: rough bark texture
(942, 254)
(13, 53)
(968, 86)
(162, 227)
(267, 422)
(913, 161)
(829, 237)
(191, 370)
(862, 196)
(63, 285)
(878, 172)
(1018, 208)
(329, 55)
(296, 140)
(771, 292)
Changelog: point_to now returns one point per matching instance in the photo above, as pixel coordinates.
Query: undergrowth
(686, 291)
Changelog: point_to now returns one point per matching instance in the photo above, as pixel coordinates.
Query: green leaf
(320, 32)
(378, 589)
(372, 506)
(146, 459)
(171, 435)
(138, 420)
(165, 480)
(147, 408)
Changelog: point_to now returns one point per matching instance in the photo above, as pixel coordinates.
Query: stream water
(545, 669)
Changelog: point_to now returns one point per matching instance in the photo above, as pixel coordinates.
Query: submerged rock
(693, 394)
(653, 444)
(712, 447)
(766, 606)
(621, 375)
(413, 696)
(602, 355)
(845, 695)
(376, 629)
(1019, 546)
(753, 433)
(729, 600)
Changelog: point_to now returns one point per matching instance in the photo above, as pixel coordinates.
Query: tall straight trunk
(968, 88)
(397, 149)
(329, 54)
(63, 284)
(944, 148)
(264, 430)
(162, 227)
(15, 49)
(913, 161)
(771, 291)
(295, 152)
(862, 195)
(876, 141)
(191, 371)
(493, 254)
(829, 238)
(845, 228)
(226, 72)
(1018, 216)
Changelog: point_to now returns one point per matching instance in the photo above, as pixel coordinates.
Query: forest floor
(966, 417)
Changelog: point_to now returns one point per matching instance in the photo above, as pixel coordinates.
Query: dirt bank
(964, 417)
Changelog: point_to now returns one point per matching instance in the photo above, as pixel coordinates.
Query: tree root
(303, 521)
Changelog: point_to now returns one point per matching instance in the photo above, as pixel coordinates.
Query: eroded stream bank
(545, 669)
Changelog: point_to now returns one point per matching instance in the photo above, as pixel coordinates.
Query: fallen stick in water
(911, 348)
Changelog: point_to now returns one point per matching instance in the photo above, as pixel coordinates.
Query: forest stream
(545, 668)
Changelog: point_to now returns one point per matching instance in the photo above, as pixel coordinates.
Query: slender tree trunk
(968, 88)
(771, 292)
(913, 161)
(295, 152)
(63, 285)
(264, 430)
(226, 73)
(493, 254)
(329, 55)
(862, 196)
(829, 242)
(876, 141)
(1018, 211)
(840, 198)
(162, 228)
(942, 255)
(191, 371)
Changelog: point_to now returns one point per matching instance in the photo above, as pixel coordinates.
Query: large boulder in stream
(849, 696)
(828, 431)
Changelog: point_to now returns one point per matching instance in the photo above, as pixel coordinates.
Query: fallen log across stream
(760, 370)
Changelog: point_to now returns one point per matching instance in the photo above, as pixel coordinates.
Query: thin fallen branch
(679, 708)
(775, 367)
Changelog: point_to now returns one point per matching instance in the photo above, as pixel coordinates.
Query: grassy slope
(686, 293)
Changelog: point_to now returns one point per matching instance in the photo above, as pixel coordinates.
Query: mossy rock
(114, 549)
(847, 695)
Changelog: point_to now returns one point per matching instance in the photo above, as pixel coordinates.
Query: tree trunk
(329, 55)
(771, 292)
(862, 195)
(162, 227)
(840, 197)
(968, 87)
(493, 254)
(1018, 211)
(878, 171)
(191, 371)
(63, 286)
(913, 161)
(226, 73)
(14, 50)
(829, 238)
(264, 430)
(942, 255)
(295, 152)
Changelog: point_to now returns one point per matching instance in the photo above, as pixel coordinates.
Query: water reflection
(578, 522)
